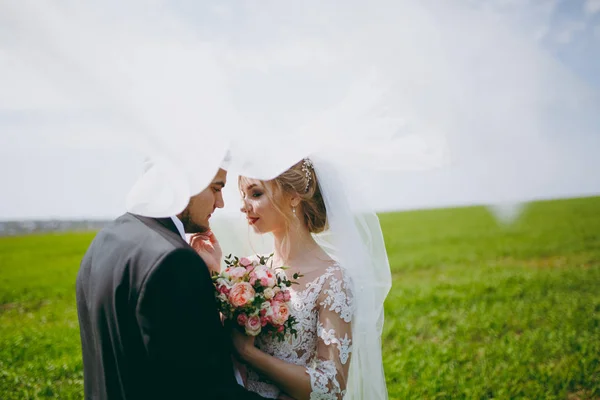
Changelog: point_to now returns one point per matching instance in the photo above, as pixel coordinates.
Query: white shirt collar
(180, 227)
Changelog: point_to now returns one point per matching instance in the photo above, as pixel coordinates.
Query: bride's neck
(293, 245)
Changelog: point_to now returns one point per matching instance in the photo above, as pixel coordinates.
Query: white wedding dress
(323, 305)
(339, 307)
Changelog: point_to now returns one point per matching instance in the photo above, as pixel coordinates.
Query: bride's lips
(252, 221)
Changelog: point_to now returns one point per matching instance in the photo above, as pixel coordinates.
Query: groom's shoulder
(130, 234)
(138, 245)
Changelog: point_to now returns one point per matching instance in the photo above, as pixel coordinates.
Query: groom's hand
(208, 247)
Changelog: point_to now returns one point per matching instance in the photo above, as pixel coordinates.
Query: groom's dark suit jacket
(149, 324)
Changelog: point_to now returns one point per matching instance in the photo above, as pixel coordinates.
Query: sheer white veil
(355, 240)
(183, 78)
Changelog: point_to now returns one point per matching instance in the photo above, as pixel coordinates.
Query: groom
(149, 324)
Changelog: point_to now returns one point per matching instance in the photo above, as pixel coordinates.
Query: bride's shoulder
(335, 275)
(333, 268)
(337, 292)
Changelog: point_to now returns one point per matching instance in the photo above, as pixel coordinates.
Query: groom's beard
(189, 225)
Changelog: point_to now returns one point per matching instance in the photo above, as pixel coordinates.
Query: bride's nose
(244, 207)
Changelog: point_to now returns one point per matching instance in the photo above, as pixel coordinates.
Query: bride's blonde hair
(299, 180)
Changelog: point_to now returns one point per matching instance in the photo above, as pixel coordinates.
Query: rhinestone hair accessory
(306, 167)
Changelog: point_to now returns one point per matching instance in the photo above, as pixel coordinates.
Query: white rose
(265, 276)
(222, 297)
(224, 282)
(225, 273)
(268, 293)
(265, 309)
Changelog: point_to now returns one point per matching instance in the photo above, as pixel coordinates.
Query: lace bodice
(324, 309)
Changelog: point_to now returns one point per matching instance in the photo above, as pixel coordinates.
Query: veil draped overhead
(386, 84)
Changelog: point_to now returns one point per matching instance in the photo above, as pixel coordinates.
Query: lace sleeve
(329, 370)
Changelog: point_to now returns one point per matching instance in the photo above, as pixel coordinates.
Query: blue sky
(526, 126)
(572, 34)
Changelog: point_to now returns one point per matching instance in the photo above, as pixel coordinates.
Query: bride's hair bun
(301, 180)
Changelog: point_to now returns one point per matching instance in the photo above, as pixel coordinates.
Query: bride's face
(260, 210)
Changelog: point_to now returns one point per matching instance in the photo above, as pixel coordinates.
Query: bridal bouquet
(255, 296)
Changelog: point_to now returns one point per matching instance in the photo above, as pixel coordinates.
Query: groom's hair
(189, 225)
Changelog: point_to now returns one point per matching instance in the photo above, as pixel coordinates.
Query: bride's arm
(329, 374)
(290, 378)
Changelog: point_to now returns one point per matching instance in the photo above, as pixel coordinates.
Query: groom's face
(196, 216)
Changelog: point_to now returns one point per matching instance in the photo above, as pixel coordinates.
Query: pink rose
(245, 262)
(280, 328)
(223, 289)
(242, 319)
(266, 276)
(253, 326)
(279, 297)
(241, 294)
(279, 313)
(264, 321)
(287, 296)
(253, 278)
(237, 273)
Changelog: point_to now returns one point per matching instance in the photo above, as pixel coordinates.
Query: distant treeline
(14, 228)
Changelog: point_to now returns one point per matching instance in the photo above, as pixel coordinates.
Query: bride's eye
(256, 194)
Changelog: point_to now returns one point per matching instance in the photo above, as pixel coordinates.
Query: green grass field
(477, 309)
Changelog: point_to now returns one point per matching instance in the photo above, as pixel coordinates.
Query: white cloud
(541, 33)
(222, 10)
(591, 7)
(569, 30)
(16, 81)
(534, 18)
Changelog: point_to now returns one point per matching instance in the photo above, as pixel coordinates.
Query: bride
(344, 278)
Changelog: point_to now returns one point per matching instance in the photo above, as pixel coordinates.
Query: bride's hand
(208, 247)
(243, 343)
